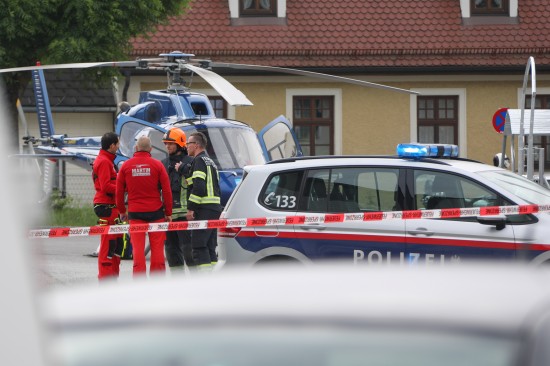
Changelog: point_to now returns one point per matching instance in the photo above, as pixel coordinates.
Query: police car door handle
(421, 231)
(314, 227)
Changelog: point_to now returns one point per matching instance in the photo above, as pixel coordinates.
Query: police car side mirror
(498, 221)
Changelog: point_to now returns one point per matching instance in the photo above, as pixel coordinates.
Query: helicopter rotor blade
(81, 65)
(285, 70)
(232, 95)
(22, 117)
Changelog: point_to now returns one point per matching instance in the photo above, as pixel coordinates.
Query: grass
(71, 217)
(62, 212)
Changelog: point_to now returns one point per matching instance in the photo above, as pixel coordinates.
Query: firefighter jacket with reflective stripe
(204, 187)
(146, 181)
(178, 183)
(104, 176)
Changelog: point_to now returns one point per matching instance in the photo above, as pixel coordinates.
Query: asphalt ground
(65, 262)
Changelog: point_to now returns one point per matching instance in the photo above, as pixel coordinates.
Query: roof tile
(370, 29)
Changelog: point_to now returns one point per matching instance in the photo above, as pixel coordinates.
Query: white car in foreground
(319, 315)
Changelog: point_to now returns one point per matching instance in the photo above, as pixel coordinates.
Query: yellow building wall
(374, 121)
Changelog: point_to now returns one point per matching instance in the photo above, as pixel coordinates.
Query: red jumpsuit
(104, 176)
(145, 180)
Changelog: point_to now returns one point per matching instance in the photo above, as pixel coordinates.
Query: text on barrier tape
(445, 213)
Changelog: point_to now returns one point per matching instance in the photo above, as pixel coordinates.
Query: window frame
(544, 99)
(488, 9)
(257, 11)
(437, 120)
(462, 125)
(214, 99)
(312, 122)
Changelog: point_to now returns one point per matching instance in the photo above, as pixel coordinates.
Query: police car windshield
(232, 147)
(519, 186)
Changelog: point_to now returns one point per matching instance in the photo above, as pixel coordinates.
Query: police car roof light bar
(415, 150)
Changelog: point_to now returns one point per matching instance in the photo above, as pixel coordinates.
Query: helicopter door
(278, 140)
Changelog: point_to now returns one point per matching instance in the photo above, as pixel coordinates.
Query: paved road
(63, 262)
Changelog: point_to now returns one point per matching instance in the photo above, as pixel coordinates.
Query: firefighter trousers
(178, 247)
(204, 242)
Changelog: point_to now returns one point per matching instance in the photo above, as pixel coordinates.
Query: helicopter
(232, 144)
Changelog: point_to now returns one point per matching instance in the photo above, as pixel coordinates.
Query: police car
(420, 177)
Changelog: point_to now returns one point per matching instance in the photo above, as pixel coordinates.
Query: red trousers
(156, 242)
(108, 265)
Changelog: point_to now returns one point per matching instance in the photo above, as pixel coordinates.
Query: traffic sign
(499, 118)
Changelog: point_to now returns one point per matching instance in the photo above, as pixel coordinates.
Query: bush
(61, 212)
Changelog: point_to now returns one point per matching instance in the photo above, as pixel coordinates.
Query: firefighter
(178, 243)
(149, 200)
(203, 201)
(104, 176)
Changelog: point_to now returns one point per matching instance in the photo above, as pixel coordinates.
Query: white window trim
(234, 8)
(540, 91)
(337, 94)
(461, 93)
(466, 12)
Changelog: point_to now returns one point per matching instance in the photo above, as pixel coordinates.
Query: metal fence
(79, 187)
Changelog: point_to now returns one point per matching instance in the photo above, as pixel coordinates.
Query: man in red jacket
(149, 200)
(104, 176)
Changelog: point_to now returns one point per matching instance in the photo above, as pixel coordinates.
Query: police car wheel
(277, 259)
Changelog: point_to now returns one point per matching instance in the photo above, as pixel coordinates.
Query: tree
(66, 31)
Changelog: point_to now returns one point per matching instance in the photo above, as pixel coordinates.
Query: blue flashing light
(414, 150)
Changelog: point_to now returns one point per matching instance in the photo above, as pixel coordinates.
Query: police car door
(278, 140)
(348, 195)
(453, 239)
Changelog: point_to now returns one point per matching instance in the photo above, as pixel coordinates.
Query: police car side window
(363, 189)
(282, 191)
(315, 194)
(436, 190)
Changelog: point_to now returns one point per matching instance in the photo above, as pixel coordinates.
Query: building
(467, 58)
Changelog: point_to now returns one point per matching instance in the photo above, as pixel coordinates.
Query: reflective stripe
(196, 199)
(211, 197)
(211, 200)
(199, 174)
(209, 185)
(204, 200)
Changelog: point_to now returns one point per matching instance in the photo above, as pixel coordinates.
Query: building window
(437, 118)
(219, 105)
(258, 8)
(489, 7)
(313, 120)
(541, 102)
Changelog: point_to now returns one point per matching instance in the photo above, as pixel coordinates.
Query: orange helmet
(176, 136)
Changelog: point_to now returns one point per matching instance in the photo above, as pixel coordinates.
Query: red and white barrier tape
(289, 220)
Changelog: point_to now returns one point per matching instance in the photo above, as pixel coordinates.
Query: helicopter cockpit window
(232, 148)
(128, 137)
(277, 148)
(200, 109)
(159, 151)
(130, 133)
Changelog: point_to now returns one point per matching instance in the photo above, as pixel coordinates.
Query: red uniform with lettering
(104, 176)
(149, 200)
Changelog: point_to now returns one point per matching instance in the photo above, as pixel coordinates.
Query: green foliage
(67, 31)
(62, 212)
(55, 31)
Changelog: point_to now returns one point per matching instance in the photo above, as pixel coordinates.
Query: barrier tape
(288, 220)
